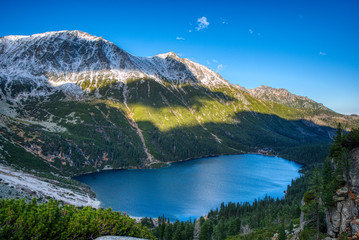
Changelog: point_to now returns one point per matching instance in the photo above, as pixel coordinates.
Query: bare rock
(354, 226)
(338, 199)
(342, 191)
(345, 215)
(336, 220)
(275, 236)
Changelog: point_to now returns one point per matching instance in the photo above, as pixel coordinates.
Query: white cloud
(322, 53)
(215, 60)
(250, 31)
(224, 21)
(180, 38)
(202, 23)
(219, 67)
(190, 30)
(208, 62)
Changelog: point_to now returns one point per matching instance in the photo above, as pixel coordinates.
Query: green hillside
(146, 123)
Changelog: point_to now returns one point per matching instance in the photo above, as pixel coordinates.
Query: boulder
(275, 236)
(342, 191)
(338, 199)
(354, 226)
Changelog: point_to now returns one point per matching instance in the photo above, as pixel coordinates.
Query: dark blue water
(192, 188)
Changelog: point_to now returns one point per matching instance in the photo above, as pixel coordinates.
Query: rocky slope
(75, 61)
(343, 217)
(320, 114)
(283, 96)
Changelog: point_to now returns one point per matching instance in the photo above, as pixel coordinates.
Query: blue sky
(310, 48)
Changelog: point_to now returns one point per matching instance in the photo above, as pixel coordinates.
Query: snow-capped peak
(14, 37)
(168, 55)
(74, 33)
(53, 59)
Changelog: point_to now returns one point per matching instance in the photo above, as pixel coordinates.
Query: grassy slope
(177, 123)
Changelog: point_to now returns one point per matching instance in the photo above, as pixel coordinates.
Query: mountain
(73, 103)
(322, 115)
(74, 60)
(283, 96)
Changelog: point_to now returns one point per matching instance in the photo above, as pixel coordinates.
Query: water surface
(192, 188)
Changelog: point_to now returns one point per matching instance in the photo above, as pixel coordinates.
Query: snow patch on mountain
(44, 62)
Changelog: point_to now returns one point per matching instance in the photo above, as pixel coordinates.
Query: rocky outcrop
(343, 217)
(283, 96)
(299, 229)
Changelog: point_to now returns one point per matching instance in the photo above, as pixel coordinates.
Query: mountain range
(73, 103)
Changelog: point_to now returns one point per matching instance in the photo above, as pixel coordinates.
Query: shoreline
(167, 164)
(41, 188)
(27, 184)
(68, 196)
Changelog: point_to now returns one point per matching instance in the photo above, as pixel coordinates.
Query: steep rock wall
(343, 217)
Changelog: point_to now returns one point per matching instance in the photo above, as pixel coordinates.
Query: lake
(192, 188)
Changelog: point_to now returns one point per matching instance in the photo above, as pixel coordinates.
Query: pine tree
(168, 232)
(219, 231)
(188, 230)
(329, 183)
(313, 207)
(281, 233)
(205, 232)
(232, 227)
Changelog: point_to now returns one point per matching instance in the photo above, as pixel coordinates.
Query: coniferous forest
(52, 220)
(310, 195)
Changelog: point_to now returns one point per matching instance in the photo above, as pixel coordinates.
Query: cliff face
(343, 218)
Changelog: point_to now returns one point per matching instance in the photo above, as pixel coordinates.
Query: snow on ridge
(169, 54)
(14, 37)
(206, 75)
(75, 33)
(195, 71)
(53, 59)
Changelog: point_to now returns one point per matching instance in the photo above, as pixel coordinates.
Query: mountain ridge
(74, 57)
(283, 96)
(83, 104)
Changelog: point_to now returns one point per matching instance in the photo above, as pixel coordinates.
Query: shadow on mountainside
(296, 140)
(112, 141)
(98, 134)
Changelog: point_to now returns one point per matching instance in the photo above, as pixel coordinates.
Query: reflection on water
(192, 188)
